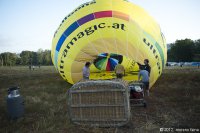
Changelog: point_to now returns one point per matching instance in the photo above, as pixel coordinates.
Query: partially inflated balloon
(107, 33)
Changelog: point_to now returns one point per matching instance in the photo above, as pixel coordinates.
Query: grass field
(174, 102)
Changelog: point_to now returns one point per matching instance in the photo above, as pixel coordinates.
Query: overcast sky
(30, 24)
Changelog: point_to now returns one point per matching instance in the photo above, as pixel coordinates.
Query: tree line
(185, 50)
(41, 57)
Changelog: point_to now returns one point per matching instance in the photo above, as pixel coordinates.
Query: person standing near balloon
(144, 76)
(86, 70)
(146, 66)
(119, 71)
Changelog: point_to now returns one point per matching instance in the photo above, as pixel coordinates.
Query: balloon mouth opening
(107, 61)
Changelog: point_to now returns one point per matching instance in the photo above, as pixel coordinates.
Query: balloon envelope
(107, 33)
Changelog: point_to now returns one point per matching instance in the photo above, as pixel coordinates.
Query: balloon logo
(107, 33)
(107, 62)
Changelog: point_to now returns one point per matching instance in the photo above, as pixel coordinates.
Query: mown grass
(174, 102)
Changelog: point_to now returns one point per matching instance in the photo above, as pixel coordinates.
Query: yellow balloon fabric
(107, 33)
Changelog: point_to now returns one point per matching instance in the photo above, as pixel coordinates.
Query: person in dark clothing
(146, 66)
(86, 70)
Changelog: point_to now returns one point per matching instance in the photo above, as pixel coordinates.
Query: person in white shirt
(86, 70)
(144, 76)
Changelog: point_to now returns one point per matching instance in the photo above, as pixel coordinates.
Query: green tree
(8, 59)
(47, 57)
(197, 50)
(26, 57)
(34, 58)
(182, 51)
(40, 56)
(1, 60)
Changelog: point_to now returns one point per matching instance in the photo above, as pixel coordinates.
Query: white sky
(30, 24)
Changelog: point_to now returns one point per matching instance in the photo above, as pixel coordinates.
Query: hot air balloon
(107, 33)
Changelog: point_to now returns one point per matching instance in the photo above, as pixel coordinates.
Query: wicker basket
(99, 103)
